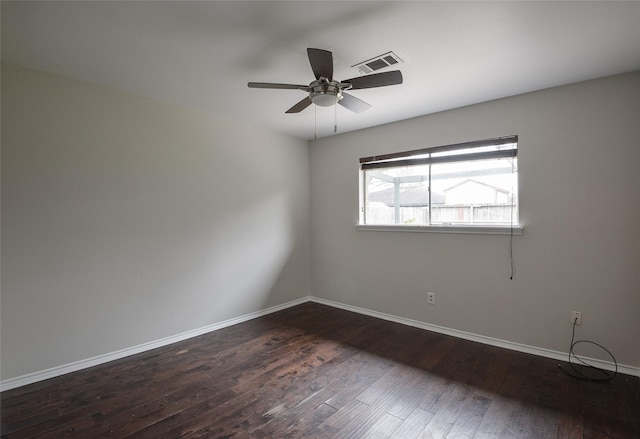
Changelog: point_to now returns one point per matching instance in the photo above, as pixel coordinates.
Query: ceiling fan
(325, 91)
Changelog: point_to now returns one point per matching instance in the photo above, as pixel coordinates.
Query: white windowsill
(475, 230)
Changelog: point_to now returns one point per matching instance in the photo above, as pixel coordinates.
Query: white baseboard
(541, 352)
(34, 377)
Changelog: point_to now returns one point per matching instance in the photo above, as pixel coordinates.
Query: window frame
(408, 158)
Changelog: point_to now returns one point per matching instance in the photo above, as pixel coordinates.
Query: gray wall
(579, 149)
(126, 220)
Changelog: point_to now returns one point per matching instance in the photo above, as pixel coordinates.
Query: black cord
(511, 260)
(579, 375)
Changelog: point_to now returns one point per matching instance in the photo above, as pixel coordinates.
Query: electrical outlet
(576, 316)
(431, 298)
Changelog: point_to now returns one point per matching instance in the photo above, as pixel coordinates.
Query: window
(473, 184)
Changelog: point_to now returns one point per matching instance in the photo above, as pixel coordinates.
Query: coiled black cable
(578, 374)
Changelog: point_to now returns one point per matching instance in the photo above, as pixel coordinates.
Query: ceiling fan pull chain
(335, 118)
(315, 128)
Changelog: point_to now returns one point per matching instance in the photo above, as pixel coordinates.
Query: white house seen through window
(468, 184)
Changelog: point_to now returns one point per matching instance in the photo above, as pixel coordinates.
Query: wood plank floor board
(632, 400)
(257, 403)
(354, 376)
(306, 426)
(403, 407)
(473, 411)
(447, 409)
(63, 394)
(603, 416)
(296, 359)
(384, 428)
(116, 422)
(492, 425)
(391, 387)
(312, 371)
(527, 419)
(124, 421)
(351, 421)
(153, 411)
(294, 419)
(530, 422)
(414, 425)
(86, 403)
(173, 421)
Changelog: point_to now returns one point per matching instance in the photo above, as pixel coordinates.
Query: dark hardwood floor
(313, 371)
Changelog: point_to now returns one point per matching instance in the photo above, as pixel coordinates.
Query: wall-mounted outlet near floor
(431, 298)
(576, 316)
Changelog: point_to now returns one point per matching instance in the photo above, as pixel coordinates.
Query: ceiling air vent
(377, 63)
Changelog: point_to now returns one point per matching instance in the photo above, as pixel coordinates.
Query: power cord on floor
(579, 375)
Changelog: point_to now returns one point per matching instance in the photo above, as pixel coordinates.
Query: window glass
(478, 187)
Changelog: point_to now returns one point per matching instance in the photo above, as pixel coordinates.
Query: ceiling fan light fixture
(325, 93)
(325, 99)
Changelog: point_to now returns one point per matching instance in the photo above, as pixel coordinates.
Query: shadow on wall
(127, 220)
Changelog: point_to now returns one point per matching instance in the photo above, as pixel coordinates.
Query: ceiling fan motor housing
(325, 93)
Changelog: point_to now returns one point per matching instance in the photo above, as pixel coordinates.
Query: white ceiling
(202, 54)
